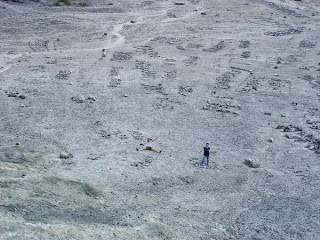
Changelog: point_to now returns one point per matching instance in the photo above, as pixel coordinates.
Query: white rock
(64, 155)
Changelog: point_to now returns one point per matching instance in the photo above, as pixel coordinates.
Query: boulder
(64, 155)
(252, 162)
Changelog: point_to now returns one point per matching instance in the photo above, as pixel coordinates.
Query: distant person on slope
(206, 153)
(148, 145)
(104, 52)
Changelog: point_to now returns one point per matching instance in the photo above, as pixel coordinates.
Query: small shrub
(83, 4)
(65, 2)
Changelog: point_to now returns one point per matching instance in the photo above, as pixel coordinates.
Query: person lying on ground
(148, 145)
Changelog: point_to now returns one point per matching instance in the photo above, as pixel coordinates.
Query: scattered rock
(67, 162)
(94, 157)
(114, 72)
(282, 8)
(63, 74)
(12, 94)
(22, 96)
(187, 179)
(184, 90)
(114, 83)
(147, 50)
(143, 163)
(298, 135)
(306, 44)
(244, 44)
(145, 67)
(167, 103)
(215, 48)
(64, 155)
(225, 79)
(91, 98)
(246, 54)
(121, 56)
(104, 134)
(171, 15)
(179, 3)
(307, 77)
(311, 147)
(39, 46)
(267, 113)
(98, 123)
(222, 106)
(296, 138)
(195, 45)
(252, 162)
(35, 67)
(289, 128)
(78, 99)
(180, 48)
(168, 40)
(171, 75)
(242, 69)
(192, 60)
(280, 33)
(146, 3)
(52, 62)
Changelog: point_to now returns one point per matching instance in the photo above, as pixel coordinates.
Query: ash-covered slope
(241, 75)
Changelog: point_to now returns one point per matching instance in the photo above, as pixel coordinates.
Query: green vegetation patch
(65, 2)
(83, 4)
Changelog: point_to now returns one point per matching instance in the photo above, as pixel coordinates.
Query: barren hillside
(242, 75)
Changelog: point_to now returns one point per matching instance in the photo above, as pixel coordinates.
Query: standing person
(148, 145)
(104, 52)
(206, 153)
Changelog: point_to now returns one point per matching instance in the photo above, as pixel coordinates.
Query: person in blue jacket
(206, 153)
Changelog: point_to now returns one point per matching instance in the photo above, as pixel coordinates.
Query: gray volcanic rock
(252, 162)
(93, 80)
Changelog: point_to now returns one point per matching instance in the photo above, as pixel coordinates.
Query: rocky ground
(243, 75)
